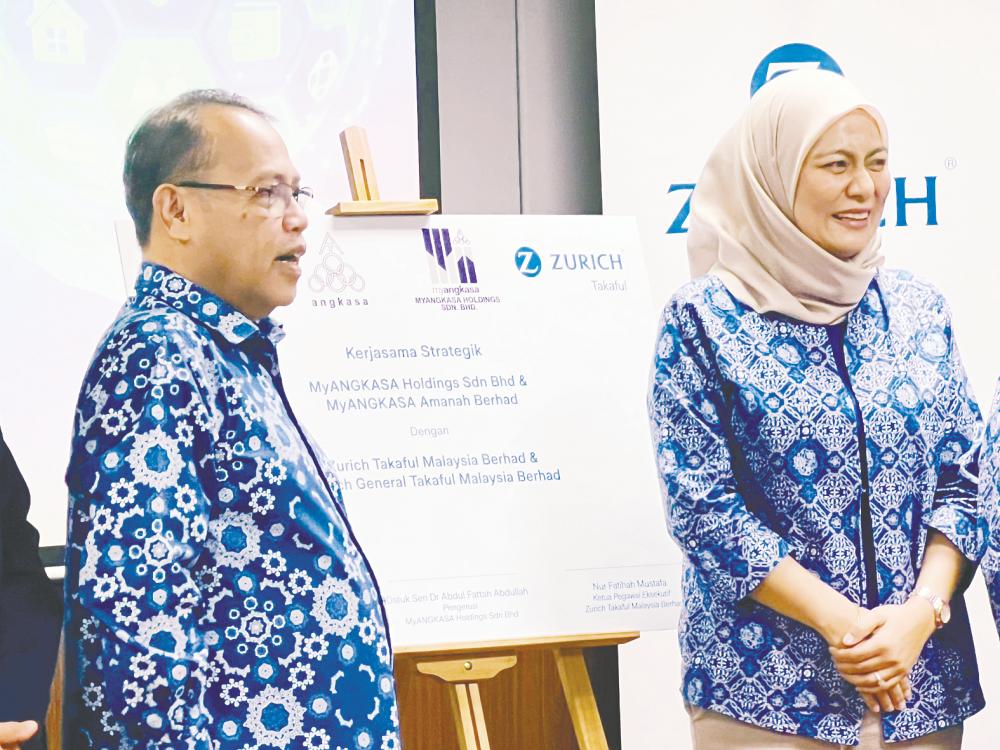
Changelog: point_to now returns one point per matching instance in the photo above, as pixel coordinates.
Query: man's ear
(171, 212)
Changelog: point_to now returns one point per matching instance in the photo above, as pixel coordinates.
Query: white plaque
(480, 384)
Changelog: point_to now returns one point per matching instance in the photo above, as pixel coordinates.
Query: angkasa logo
(333, 273)
(445, 265)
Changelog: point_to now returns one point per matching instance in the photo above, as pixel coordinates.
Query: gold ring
(878, 679)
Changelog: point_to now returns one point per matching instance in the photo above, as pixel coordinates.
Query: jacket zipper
(870, 594)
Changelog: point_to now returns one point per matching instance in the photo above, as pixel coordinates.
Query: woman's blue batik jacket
(757, 422)
(989, 489)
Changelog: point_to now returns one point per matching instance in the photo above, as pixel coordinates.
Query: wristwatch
(942, 612)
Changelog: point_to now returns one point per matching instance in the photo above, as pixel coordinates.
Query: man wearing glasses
(217, 596)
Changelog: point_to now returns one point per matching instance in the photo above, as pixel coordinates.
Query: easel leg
(478, 716)
(470, 722)
(466, 702)
(53, 719)
(580, 699)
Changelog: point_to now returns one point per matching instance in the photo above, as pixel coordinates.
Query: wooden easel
(53, 717)
(364, 187)
(464, 666)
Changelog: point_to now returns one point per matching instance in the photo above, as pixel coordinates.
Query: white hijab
(741, 211)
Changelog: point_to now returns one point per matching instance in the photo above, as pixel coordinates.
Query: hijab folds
(741, 211)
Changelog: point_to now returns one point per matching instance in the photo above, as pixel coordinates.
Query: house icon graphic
(57, 33)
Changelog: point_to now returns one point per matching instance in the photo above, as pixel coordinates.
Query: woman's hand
(844, 618)
(794, 592)
(887, 696)
(878, 665)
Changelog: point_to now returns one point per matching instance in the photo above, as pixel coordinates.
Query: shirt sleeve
(955, 510)
(707, 516)
(989, 505)
(138, 524)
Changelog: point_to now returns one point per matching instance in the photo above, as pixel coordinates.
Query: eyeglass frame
(255, 189)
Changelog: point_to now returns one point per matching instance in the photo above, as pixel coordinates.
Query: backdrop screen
(75, 78)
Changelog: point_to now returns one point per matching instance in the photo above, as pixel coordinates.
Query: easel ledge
(464, 665)
(521, 644)
(422, 207)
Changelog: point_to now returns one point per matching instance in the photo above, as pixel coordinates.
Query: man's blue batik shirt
(841, 446)
(216, 595)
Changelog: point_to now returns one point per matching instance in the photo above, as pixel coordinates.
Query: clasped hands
(878, 650)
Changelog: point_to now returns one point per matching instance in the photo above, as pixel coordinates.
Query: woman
(989, 492)
(822, 580)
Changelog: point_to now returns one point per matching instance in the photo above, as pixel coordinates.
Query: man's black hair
(167, 144)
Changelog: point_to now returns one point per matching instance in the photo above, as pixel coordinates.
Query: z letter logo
(528, 262)
(791, 57)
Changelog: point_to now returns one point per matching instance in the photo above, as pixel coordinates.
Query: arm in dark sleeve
(30, 605)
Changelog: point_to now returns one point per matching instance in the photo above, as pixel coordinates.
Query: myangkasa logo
(790, 57)
(447, 264)
(529, 263)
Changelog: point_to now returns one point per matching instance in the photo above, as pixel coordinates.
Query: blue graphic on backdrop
(902, 201)
(790, 57)
(796, 56)
(529, 263)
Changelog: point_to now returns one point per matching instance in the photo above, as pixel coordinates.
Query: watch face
(945, 614)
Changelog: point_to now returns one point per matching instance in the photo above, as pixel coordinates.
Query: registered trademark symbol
(951, 162)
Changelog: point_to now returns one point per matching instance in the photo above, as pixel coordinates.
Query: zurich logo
(791, 57)
(528, 262)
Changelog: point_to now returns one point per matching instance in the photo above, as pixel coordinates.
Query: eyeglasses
(280, 194)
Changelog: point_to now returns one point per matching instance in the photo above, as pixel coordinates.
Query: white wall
(674, 75)
(518, 112)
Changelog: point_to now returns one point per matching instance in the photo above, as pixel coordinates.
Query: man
(218, 598)
(30, 615)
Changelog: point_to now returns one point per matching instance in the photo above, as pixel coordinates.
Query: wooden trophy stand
(364, 186)
(464, 666)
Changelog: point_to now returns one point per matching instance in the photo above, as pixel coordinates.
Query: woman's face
(843, 186)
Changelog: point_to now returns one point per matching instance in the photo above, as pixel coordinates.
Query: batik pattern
(989, 495)
(217, 598)
(757, 444)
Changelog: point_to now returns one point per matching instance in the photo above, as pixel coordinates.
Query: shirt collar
(157, 284)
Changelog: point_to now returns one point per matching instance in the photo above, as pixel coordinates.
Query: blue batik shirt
(216, 595)
(989, 493)
(841, 446)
